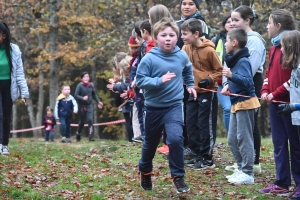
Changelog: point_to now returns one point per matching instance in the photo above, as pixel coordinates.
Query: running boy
(201, 115)
(160, 76)
(240, 81)
(64, 107)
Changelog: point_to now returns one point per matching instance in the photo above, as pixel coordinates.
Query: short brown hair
(163, 24)
(48, 108)
(192, 25)
(290, 41)
(239, 35)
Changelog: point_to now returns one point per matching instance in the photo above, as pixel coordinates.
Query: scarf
(86, 84)
(231, 60)
(276, 40)
(192, 16)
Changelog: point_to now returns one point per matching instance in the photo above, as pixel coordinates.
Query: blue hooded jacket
(156, 64)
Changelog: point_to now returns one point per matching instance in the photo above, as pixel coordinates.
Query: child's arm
(75, 105)
(281, 91)
(44, 121)
(56, 110)
(265, 88)
(120, 87)
(77, 92)
(287, 109)
(96, 98)
(53, 122)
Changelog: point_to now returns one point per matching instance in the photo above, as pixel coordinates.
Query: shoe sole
(206, 167)
(247, 182)
(139, 141)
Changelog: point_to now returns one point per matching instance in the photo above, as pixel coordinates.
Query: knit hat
(132, 42)
(197, 2)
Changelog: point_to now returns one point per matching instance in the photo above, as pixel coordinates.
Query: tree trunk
(41, 97)
(32, 118)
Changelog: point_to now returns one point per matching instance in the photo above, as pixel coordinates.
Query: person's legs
(294, 140)
(89, 117)
(68, 124)
(47, 136)
(51, 133)
(135, 122)
(82, 116)
(139, 105)
(128, 125)
(63, 126)
(226, 106)
(6, 110)
(257, 138)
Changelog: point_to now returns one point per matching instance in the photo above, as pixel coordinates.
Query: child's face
(132, 49)
(66, 91)
(85, 78)
(228, 45)
(273, 31)
(238, 21)
(229, 25)
(188, 37)
(166, 40)
(145, 34)
(138, 39)
(188, 8)
(49, 113)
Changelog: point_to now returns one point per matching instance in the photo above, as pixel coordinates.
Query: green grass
(109, 170)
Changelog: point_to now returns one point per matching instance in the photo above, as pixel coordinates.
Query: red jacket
(277, 79)
(150, 45)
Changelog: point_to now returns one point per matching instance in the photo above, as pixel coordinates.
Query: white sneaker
(5, 150)
(232, 168)
(233, 175)
(257, 169)
(242, 178)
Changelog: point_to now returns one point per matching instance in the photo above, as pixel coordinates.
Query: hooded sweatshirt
(206, 64)
(295, 94)
(153, 66)
(65, 106)
(257, 50)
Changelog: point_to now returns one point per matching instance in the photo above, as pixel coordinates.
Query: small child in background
(49, 122)
(240, 81)
(64, 107)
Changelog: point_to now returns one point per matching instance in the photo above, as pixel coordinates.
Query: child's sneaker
(180, 185)
(91, 138)
(188, 153)
(69, 140)
(138, 139)
(78, 137)
(242, 178)
(233, 175)
(164, 149)
(232, 168)
(203, 164)
(5, 150)
(296, 195)
(146, 182)
(257, 169)
(275, 189)
(63, 140)
(193, 161)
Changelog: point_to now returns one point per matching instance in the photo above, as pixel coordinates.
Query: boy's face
(166, 40)
(188, 37)
(66, 91)
(85, 78)
(229, 46)
(138, 39)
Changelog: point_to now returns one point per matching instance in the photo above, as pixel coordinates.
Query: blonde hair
(157, 12)
(116, 61)
(290, 42)
(124, 63)
(163, 24)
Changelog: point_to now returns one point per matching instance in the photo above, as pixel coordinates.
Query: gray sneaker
(138, 139)
(5, 150)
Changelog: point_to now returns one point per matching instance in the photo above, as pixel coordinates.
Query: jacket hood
(157, 51)
(205, 43)
(61, 96)
(256, 34)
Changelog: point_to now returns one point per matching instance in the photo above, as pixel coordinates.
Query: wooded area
(60, 39)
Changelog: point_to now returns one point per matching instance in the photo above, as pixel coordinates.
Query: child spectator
(243, 17)
(84, 94)
(160, 76)
(12, 83)
(49, 122)
(64, 107)
(201, 115)
(240, 81)
(276, 87)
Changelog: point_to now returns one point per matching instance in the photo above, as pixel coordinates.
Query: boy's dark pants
(139, 98)
(65, 123)
(283, 134)
(128, 125)
(201, 123)
(170, 118)
(86, 112)
(5, 111)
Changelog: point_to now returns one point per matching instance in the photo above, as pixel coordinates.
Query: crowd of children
(147, 84)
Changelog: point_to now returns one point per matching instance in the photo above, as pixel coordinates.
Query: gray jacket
(295, 93)
(18, 81)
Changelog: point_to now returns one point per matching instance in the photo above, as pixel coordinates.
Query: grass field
(108, 170)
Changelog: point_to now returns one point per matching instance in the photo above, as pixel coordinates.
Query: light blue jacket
(153, 66)
(18, 81)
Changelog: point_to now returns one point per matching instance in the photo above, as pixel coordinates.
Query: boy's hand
(168, 76)
(100, 105)
(193, 91)
(225, 90)
(226, 72)
(285, 109)
(264, 96)
(85, 98)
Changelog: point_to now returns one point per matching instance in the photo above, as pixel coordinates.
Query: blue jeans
(170, 118)
(65, 123)
(226, 105)
(51, 134)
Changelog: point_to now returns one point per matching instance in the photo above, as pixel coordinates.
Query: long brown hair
(290, 41)
(285, 18)
(157, 12)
